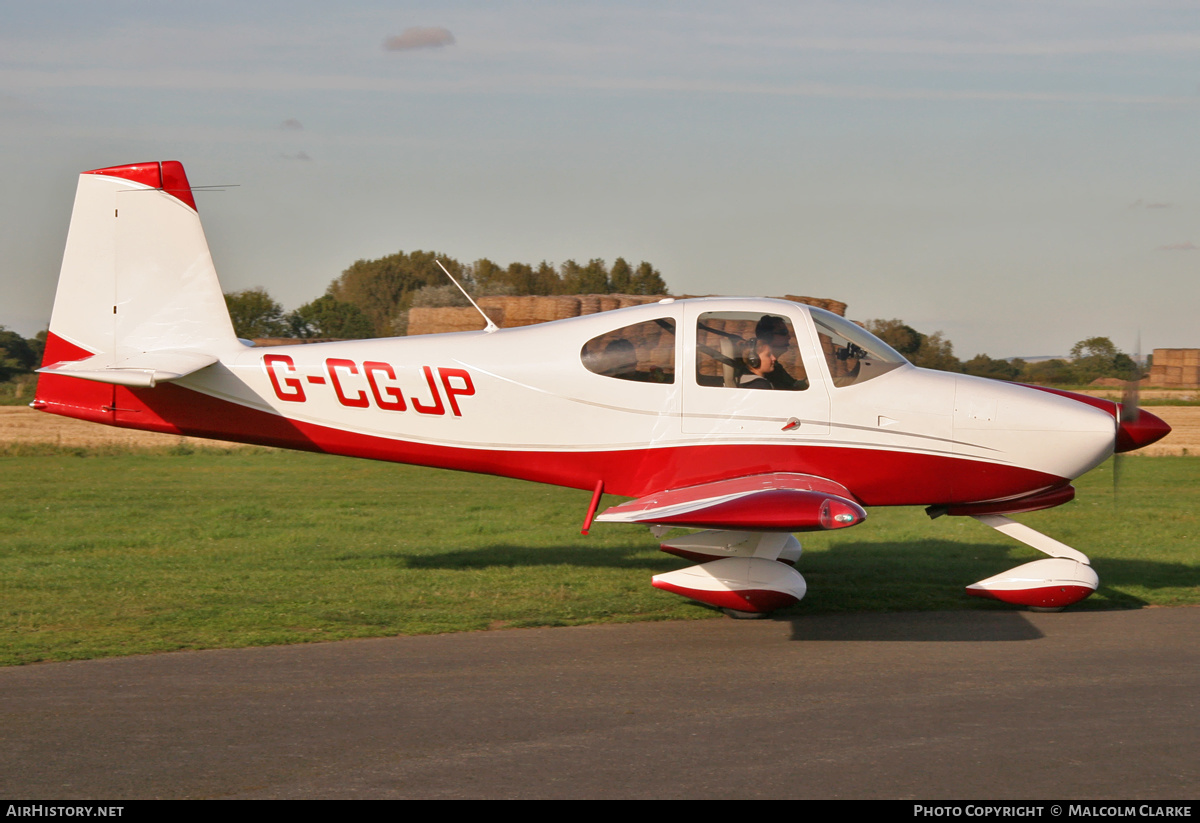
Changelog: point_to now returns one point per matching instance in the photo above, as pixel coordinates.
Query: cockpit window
(748, 350)
(643, 352)
(854, 354)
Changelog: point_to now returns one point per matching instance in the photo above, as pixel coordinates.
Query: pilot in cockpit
(774, 330)
(759, 361)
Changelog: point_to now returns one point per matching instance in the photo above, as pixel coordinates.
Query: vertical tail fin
(137, 285)
(138, 299)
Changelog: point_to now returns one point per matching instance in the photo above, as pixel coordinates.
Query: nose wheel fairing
(1063, 579)
(1051, 583)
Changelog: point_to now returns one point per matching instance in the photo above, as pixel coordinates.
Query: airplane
(747, 420)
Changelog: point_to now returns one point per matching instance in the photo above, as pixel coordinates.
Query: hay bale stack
(559, 307)
(835, 306)
(627, 300)
(589, 304)
(510, 312)
(1176, 368)
(424, 320)
(520, 311)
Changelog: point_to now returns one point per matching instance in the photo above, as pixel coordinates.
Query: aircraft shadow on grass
(861, 578)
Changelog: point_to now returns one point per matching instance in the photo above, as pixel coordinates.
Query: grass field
(124, 553)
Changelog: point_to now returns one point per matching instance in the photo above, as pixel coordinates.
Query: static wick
(490, 327)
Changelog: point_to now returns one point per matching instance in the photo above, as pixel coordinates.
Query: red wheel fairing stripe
(1045, 597)
(746, 600)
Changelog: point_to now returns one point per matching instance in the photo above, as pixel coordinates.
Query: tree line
(371, 298)
(1091, 359)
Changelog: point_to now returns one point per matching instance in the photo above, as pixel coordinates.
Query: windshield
(854, 354)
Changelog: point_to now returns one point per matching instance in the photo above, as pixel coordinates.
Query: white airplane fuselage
(520, 403)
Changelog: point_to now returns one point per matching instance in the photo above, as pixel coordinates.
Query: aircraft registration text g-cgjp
(372, 382)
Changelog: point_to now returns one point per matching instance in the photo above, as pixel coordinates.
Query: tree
(546, 280)
(936, 352)
(522, 278)
(383, 288)
(487, 274)
(329, 317)
(16, 355)
(929, 351)
(572, 277)
(983, 366)
(1100, 347)
(1049, 372)
(904, 339)
(593, 279)
(255, 314)
(38, 344)
(1098, 357)
(621, 276)
(647, 280)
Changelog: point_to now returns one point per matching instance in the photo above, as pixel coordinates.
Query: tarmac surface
(951, 705)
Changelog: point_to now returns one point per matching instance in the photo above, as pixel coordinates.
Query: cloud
(419, 38)
(291, 124)
(1189, 246)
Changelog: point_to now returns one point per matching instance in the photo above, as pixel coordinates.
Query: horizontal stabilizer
(770, 502)
(142, 370)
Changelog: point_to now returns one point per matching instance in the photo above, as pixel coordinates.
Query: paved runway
(962, 705)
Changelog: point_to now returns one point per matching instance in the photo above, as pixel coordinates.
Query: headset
(750, 355)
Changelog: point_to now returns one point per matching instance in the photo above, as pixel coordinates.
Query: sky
(1017, 175)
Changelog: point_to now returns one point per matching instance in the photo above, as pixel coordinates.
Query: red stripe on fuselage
(876, 477)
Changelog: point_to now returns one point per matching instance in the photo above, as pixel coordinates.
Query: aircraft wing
(780, 501)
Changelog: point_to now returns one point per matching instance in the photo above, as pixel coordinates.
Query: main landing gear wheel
(740, 615)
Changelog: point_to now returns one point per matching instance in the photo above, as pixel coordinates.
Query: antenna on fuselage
(490, 325)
